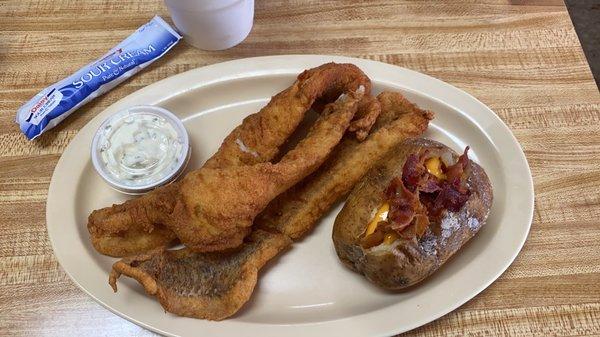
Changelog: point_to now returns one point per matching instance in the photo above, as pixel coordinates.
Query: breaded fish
(213, 207)
(216, 207)
(178, 278)
(203, 285)
(295, 211)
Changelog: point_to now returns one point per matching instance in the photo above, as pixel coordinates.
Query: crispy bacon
(421, 224)
(456, 171)
(413, 171)
(391, 190)
(454, 192)
(452, 197)
(432, 184)
(402, 208)
(419, 196)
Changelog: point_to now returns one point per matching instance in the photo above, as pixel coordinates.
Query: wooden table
(522, 58)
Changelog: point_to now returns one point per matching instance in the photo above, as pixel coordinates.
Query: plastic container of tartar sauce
(140, 148)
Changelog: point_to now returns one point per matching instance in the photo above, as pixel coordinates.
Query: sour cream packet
(53, 104)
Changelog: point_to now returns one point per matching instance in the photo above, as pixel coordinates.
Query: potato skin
(406, 262)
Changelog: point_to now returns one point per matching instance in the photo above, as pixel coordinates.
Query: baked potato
(414, 210)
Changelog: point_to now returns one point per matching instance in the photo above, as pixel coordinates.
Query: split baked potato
(411, 213)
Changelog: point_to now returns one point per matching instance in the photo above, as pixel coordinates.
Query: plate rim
(286, 64)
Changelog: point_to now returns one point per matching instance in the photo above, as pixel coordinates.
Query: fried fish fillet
(185, 283)
(203, 285)
(213, 207)
(295, 211)
(217, 206)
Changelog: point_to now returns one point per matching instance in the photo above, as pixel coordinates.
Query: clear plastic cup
(212, 24)
(134, 133)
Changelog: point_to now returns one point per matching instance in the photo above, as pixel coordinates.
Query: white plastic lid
(140, 148)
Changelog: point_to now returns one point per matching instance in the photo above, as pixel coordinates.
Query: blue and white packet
(53, 104)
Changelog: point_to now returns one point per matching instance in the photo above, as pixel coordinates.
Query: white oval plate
(306, 291)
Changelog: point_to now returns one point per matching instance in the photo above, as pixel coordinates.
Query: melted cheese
(434, 166)
(380, 215)
(389, 238)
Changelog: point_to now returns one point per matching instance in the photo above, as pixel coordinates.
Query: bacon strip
(419, 196)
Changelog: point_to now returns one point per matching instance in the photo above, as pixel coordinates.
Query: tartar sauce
(140, 148)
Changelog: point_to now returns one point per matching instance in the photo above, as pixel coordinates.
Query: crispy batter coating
(202, 285)
(216, 285)
(295, 211)
(266, 131)
(368, 111)
(213, 207)
(218, 205)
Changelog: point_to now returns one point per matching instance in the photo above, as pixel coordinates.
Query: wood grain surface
(522, 58)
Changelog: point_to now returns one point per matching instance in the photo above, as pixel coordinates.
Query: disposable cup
(212, 24)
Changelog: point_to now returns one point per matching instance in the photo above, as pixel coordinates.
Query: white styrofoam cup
(212, 24)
